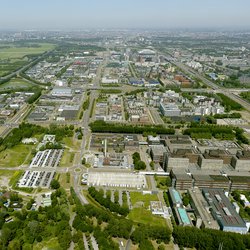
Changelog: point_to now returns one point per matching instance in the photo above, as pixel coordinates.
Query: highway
(15, 120)
(25, 67)
(215, 87)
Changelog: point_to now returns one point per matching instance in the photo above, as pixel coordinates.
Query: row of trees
(221, 132)
(101, 126)
(107, 203)
(34, 97)
(208, 239)
(228, 103)
(204, 131)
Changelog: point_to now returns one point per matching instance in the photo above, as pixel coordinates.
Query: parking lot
(36, 179)
(47, 158)
(111, 179)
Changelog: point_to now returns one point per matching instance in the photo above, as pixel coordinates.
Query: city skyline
(65, 15)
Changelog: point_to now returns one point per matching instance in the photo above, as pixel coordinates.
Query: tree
(54, 184)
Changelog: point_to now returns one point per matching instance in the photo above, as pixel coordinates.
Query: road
(25, 67)
(86, 133)
(218, 89)
(15, 120)
(156, 116)
(144, 157)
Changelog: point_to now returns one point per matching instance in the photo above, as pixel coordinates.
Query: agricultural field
(13, 51)
(13, 56)
(15, 83)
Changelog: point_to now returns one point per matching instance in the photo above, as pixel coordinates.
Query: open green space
(142, 215)
(145, 198)
(65, 180)
(15, 156)
(13, 56)
(12, 51)
(15, 83)
(67, 158)
(71, 143)
(163, 182)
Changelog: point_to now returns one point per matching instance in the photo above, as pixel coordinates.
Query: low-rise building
(204, 218)
(223, 211)
(170, 109)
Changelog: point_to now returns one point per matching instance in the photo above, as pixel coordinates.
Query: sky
(84, 14)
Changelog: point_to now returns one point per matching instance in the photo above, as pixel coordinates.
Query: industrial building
(223, 211)
(61, 91)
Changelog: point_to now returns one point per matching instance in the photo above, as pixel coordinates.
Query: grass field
(142, 215)
(71, 143)
(19, 52)
(67, 158)
(5, 176)
(13, 57)
(16, 156)
(145, 198)
(63, 179)
(15, 83)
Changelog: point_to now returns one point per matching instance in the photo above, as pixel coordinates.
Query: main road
(86, 133)
(215, 87)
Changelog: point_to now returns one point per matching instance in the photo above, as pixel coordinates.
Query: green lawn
(14, 157)
(145, 198)
(142, 215)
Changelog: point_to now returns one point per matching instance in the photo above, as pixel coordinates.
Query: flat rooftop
(175, 195)
(222, 209)
(214, 154)
(183, 215)
(243, 155)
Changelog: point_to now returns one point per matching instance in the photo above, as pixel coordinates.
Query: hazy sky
(68, 14)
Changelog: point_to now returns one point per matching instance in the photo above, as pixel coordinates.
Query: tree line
(209, 239)
(104, 127)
